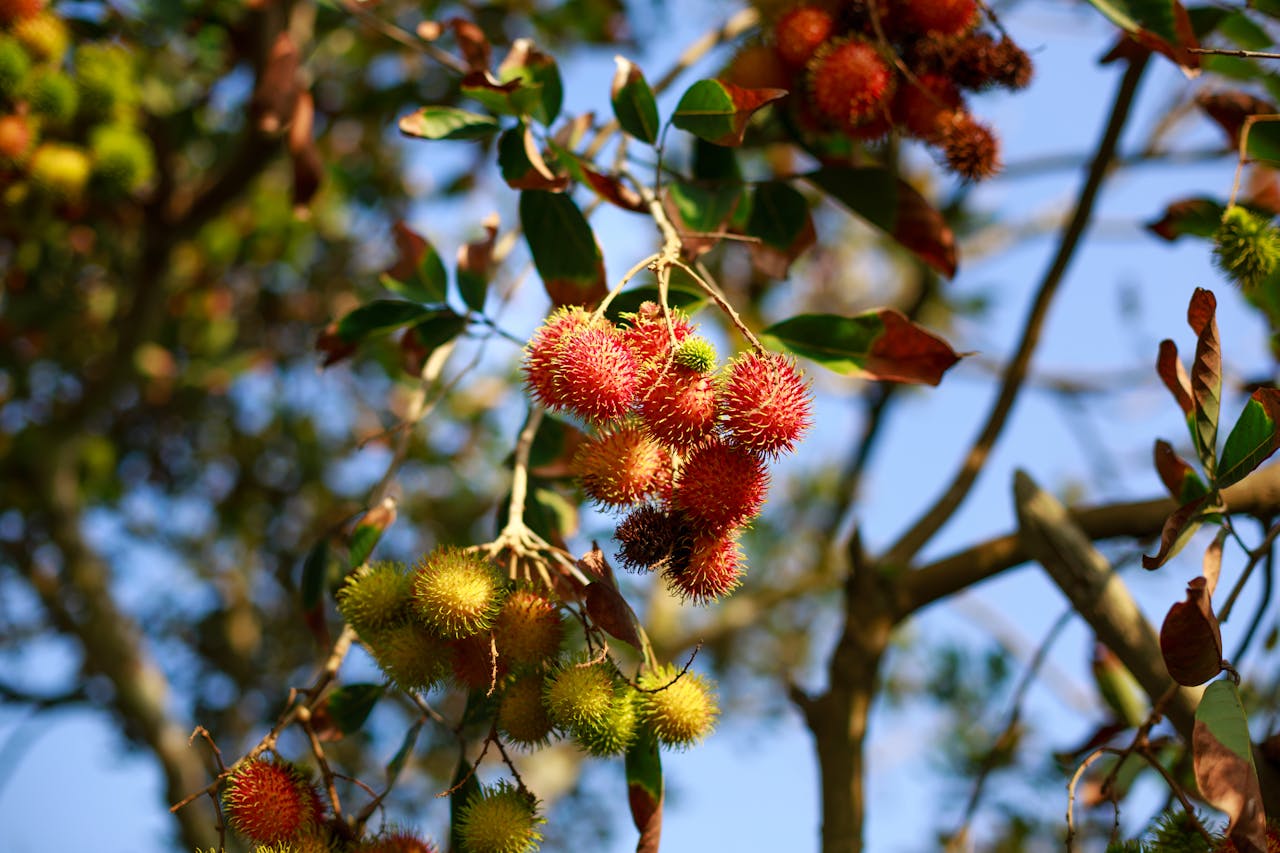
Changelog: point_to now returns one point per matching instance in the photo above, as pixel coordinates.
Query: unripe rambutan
(758, 66)
(713, 569)
(765, 403)
(621, 466)
(971, 148)
(456, 593)
(18, 10)
(679, 709)
(123, 161)
(697, 354)
(800, 32)
(52, 96)
(720, 486)
(529, 629)
(580, 694)
(678, 406)
(522, 716)
(375, 597)
(270, 801)
(474, 664)
(499, 819)
(44, 35)
(650, 539)
(59, 171)
(1246, 246)
(16, 140)
(613, 733)
(848, 81)
(594, 374)
(410, 655)
(919, 104)
(937, 17)
(542, 349)
(649, 338)
(396, 840)
(15, 65)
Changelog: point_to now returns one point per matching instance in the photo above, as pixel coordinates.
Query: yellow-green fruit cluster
(499, 819)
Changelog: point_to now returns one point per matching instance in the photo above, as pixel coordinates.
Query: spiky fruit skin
(123, 161)
(395, 840)
(543, 348)
(680, 710)
(15, 65)
(529, 629)
(474, 664)
(720, 486)
(758, 66)
(595, 374)
(849, 81)
(800, 32)
(457, 594)
(712, 569)
(44, 36)
(499, 819)
(410, 655)
(270, 801)
(60, 171)
(522, 716)
(621, 466)
(649, 338)
(107, 78)
(16, 139)
(679, 406)
(649, 538)
(53, 96)
(613, 733)
(697, 354)
(580, 695)
(970, 147)
(937, 17)
(19, 10)
(918, 105)
(1246, 246)
(765, 404)
(375, 597)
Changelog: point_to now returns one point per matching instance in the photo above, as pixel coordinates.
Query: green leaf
(397, 762)
(564, 248)
(448, 123)
(633, 102)
(380, 315)
(1254, 437)
(719, 112)
(645, 789)
(351, 705)
(879, 344)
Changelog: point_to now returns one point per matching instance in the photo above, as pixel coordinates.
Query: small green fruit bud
(679, 710)
(456, 593)
(1246, 246)
(499, 819)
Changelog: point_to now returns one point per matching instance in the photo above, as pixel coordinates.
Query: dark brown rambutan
(765, 403)
(971, 148)
(714, 569)
(529, 629)
(270, 801)
(678, 406)
(848, 81)
(622, 466)
(918, 105)
(720, 486)
(651, 539)
(800, 32)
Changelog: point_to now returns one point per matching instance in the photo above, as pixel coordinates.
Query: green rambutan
(765, 403)
(499, 819)
(375, 597)
(720, 486)
(529, 629)
(1246, 246)
(457, 593)
(270, 801)
(522, 716)
(679, 709)
(622, 465)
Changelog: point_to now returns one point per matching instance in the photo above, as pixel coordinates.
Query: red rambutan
(919, 104)
(765, 403)
(678, 406)
(848, 81)
(270, 801)
(720, 486)
(800, 32)
(714, 569)
(971, 148)
(622, 466)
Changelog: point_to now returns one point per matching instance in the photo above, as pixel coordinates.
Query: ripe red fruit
(270, 801)
(971, 148)
(800, 32)
(678, 406)
(766, 405)
(940, 17)
(919, 104)
(720, 486)
(622, 466)
(714, 569)
(848, 81)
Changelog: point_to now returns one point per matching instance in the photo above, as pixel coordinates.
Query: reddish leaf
(610, 612)
(1178, 527)
(718, 111)
(1198, 217)
(1190, 639)
(276, 89)
(1174, 375)
(1224, 768)
(1206, 375)
(1179, 478)
(1230, 108)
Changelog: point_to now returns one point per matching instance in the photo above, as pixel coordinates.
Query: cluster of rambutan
(869, 67)
(680, 444)
(69, 123)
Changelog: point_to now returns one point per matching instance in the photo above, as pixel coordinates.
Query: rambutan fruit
(522, 716)
(622, 465)
(615, 731)
(59, 171)
(765, 403)
(937, 17)
(800, 32)
(650, 539)
(457, 593)
(16, 139)
(678, 406)
(1246, 246)
(396, 840)
(648, 336)
(375, 597)
(580, 694)
(19, 10)
(15, 65)
(848, 81)
(529, 629)
(474, 664)
(680, 709)
(410, 655)
(918, 105)
(713, 569)
(44, 35)
(971, 148)
(720, 486)
(499, 819)
(270, 801)
(594, 374)
(540, 353)
(758, 66)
